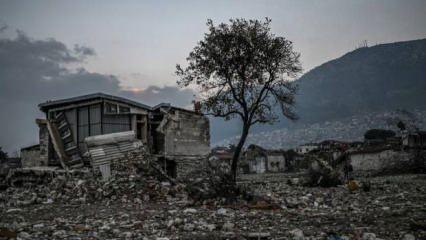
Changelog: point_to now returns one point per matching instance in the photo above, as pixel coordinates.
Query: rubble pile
(386, 207)
(139, 202)
(129, 182)
(320, 173)
(213, 182)
(393, 208)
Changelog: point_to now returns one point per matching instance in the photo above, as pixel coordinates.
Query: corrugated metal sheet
(105, 171)
(108, 148)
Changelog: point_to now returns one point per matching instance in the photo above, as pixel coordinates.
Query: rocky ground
(393, 208)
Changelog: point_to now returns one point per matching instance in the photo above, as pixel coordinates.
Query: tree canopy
(378, 134)
(243, 70)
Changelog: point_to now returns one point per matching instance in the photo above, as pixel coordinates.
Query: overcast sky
(58, 49)
(141, 41)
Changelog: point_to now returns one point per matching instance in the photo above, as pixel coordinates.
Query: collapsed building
(377, 160)
(373, 156)
(222, 155)
(414, 140)
(261, 160)
(96, 129)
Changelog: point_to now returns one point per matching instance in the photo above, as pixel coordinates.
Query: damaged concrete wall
(258, 164)
(276, 163)
(375, 162)
(186, 165)
(187, 134)
(186, 140)
(43, 142)
(30, 157)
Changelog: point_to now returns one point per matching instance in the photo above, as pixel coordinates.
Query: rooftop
(96, 96)
(50, 104)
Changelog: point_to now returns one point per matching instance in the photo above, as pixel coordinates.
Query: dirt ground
(393, 208)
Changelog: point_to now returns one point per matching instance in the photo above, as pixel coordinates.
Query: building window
(124, 109)
(111, 108)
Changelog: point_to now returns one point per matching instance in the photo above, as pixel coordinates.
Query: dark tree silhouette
(382, 134)
(3, 155)
(245, 71)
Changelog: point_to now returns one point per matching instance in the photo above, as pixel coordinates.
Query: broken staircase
(63, 142)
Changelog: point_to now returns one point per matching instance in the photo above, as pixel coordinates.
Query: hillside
(380, 78)
(345, 129)
(370, 80)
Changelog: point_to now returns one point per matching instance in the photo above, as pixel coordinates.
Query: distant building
(374, 160)
(416, 140)
(303, 149)
(333, 145)
(260, 160)
(222, 155)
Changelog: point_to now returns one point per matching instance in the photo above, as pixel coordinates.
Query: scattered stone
(24, 235)
(221, 211)
(189, 227)
(60, 233)
(409, 237)
(228, 226)
(297, 234)
(210, 227)
(13, 210)
(40, 225)
(258, 235)
(368, 236)
(353, 186)
(118, 209)
(190, 210)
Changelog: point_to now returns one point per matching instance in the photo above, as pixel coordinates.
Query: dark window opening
(139, 128)
(111, 108)
(171, 168)
(124, 109)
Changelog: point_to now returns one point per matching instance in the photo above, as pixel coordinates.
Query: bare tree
(245, 71)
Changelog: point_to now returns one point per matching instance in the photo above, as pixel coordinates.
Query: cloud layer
(33, 71)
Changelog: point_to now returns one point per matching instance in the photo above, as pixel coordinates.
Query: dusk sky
(59, 49)
(141, 41)
(213, 119)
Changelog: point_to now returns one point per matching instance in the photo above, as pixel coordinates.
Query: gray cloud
(154, 95)
(84, 51)
(3, 27)
(33, 71)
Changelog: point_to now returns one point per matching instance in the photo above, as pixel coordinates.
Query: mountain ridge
(380, 78)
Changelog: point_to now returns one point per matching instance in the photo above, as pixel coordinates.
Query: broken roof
(51, 104)
(94, 96)
(34, 146)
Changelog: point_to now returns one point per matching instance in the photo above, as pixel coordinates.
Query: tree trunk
(238, 152)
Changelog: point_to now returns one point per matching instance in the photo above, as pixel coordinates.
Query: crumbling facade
(415, 140)
(176, 137)
(30, 156)
(303, 149)
(372, 161)
(261, 160)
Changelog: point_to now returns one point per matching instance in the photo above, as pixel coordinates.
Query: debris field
(133, 206)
